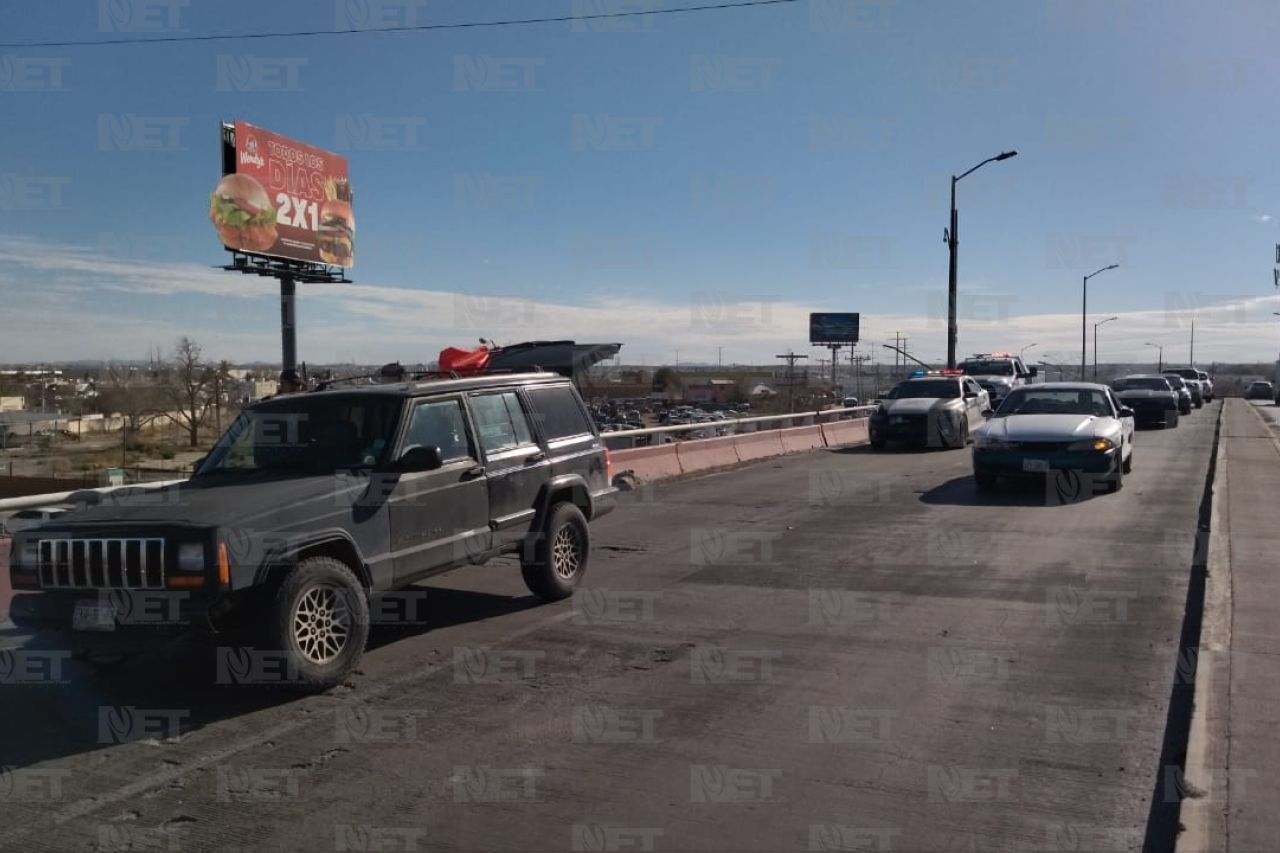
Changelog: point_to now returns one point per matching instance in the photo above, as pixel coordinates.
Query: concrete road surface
(836, 650)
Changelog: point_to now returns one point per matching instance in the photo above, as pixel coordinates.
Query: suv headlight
(1099, 444)
(191, 557)
(28, 554)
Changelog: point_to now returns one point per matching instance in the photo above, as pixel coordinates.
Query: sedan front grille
(1040, 446)
(102, 563)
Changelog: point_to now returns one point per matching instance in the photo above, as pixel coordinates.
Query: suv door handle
(536, 457)
(473, 472)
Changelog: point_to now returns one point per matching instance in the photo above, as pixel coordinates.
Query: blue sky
(673, 182)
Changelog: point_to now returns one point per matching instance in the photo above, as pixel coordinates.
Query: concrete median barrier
(648, 463)
(803, 438)
(759, 445)
(707, 453)
(837, 433)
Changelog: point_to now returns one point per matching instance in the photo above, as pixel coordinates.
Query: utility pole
(791, 358)
(720, 356)
(857, 370)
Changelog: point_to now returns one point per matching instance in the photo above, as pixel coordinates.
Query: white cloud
(63, 302)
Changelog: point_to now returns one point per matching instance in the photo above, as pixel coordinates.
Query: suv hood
(222, 501)
(993, 378)
(1049, 427)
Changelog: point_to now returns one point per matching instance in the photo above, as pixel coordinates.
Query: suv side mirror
(419, 458)
(1033, 371)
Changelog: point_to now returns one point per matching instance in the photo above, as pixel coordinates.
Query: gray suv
(313, 508)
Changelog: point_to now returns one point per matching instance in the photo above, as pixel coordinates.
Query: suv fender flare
(570, 486)
(335, 543)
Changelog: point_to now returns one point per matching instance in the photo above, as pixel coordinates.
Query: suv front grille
(102, 563)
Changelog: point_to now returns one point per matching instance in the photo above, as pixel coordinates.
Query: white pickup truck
(998, 373)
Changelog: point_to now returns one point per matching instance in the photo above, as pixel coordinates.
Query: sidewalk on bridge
(1238, 674)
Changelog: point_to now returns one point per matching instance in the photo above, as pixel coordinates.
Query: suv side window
(500, 421)
(558, 412)
(440, 423)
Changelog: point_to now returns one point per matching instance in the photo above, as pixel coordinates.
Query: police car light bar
(920, 371)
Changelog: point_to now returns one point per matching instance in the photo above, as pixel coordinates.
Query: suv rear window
(500, 421)
(558, 412)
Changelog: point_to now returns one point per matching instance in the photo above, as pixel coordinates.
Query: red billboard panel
(285, 199)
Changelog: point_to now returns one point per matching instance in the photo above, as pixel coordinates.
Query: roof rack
(394, 373)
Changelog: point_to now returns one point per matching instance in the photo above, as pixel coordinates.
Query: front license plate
(1039, 466)
(93, 617)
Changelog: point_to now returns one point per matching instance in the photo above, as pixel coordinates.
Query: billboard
(833, 328)
(281, 198)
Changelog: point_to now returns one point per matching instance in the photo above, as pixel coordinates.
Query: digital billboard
(827, 328)
(283, 199)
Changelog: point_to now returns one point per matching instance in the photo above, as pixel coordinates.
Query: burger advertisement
(285, 199)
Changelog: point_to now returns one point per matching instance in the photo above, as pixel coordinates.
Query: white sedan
(1056, 426)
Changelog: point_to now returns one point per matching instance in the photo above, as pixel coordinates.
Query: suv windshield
(307, 435)
(1056, 401)
(997, 367)
(948, 389)
(1140, 383)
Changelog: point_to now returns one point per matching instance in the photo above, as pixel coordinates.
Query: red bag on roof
(464, 360)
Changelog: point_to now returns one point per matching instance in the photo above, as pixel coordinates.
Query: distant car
(1184, 393)
(1192, 377)
(850, 402)
(1056, 426)
(1260, 390)
(24, 518)
(1207, 382)
(1151, 397)
(934, 409)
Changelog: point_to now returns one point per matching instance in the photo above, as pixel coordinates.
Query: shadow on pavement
(1055, 491)
(172, 689)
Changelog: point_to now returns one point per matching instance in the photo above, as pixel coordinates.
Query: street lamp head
(1006, 155)
(1112, 267)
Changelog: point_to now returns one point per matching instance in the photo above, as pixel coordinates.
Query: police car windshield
(1140, 383)
(1000, 367)
(915, 389)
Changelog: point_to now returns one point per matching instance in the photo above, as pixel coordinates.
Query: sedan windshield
(1056, 401)
(988, 368)
(1141, 383)
(303, 434)
(947, 389)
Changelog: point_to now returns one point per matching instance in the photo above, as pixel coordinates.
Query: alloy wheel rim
(566, 552)
(321, 624)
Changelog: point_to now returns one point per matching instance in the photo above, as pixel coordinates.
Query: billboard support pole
(288, 326)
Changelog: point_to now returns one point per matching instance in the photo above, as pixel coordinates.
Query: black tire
(319, 621)
(877, 444)
(560, 554)
(1116, 481)
(985, 482)
(1127, 465)
(961, 439)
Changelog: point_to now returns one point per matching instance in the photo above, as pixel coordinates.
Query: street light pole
(1160, 367)
(953, 246)
(1084, 311)
(1095, 344)
(1023, 351)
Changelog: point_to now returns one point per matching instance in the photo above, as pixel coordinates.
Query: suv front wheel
(320, 622)
(560, 552)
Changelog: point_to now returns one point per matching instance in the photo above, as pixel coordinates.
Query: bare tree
(137, 401)
(189, 388)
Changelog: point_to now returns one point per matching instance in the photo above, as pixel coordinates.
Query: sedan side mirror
(419, 458)
(1126, 412)
(986, 413)
(1033, 371)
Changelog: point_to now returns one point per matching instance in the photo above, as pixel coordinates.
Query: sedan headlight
(987, 442)
(1099, 444)
(191, 557)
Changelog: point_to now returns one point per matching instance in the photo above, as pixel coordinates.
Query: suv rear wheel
(319, 620)
(560, 554)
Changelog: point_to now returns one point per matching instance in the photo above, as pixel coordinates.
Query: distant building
(717, 391)
(13, 404)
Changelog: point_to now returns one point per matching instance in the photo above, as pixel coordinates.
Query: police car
(933, 408)
(998, 373)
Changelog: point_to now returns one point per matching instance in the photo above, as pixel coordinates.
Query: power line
(517, 22)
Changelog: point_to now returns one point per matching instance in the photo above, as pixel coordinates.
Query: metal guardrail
(625, 438)
(617, 440)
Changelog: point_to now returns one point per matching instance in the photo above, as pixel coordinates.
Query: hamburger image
(336, 234)
(243, 214)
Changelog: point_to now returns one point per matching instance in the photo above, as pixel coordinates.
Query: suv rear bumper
(603, 502)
